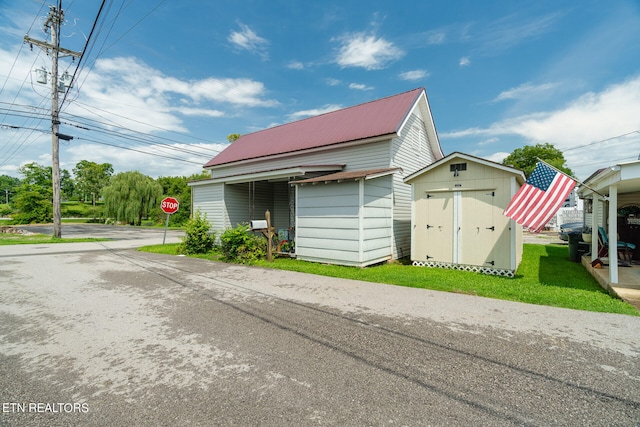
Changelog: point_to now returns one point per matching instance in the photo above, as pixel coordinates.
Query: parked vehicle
(569, 228)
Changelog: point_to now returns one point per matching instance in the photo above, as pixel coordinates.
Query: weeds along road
(96, 335)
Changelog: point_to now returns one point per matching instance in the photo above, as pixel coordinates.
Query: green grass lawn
(545, 277)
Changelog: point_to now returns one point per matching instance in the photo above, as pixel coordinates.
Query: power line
(95, 22)
(601, 141)
(140, 151)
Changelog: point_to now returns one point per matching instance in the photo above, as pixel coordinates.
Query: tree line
(126, 197)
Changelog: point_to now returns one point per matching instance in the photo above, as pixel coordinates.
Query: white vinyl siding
(209, 200)
(411, 152)
(357, 157)
(345, 223)
(327, 223)
(377, 220)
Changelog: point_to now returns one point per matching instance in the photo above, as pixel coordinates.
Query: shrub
(241, 245)
(5, 210)
(33, 207)
(198, 237)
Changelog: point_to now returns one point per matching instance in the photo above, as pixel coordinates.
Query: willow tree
(131, 196)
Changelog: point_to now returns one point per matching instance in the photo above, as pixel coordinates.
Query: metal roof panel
(375, 118)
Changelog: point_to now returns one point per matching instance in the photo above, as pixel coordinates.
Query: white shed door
(438, 231)
(478, 234)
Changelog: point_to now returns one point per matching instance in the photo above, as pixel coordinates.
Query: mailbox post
(264, 225)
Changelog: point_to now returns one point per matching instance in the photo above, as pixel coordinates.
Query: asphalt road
(97, 334)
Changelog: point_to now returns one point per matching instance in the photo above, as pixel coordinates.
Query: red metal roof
(376, 118)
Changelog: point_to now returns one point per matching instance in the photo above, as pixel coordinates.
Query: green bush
(241, 245)
(33, 207)
(5, 210)
(198, 237)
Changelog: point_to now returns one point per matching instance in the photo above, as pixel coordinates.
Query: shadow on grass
(556, 269)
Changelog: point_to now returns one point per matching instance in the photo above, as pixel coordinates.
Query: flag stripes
(539, 198)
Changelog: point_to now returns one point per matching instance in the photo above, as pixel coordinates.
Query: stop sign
(169, 205)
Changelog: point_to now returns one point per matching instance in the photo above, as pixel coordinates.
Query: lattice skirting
(463, 267)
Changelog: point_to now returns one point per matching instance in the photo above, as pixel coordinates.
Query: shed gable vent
(458, 167)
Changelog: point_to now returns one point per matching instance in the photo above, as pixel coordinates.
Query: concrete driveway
(95, 334)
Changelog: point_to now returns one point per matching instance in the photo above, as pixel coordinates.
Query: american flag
(539, 198)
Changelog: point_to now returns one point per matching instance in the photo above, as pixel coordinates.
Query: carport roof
(350, 175)
(625, 176)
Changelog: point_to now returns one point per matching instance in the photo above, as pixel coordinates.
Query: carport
(612, 201)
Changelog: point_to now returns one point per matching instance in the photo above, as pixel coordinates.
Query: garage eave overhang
(270, 175)
(348, 176)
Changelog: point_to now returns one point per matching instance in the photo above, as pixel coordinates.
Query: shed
(346, 216)
(457, 216)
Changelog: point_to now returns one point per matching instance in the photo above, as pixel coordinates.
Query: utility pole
(54, 20)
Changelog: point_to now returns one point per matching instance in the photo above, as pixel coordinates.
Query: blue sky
(163, 83)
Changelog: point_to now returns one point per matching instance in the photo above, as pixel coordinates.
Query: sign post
(169, 205)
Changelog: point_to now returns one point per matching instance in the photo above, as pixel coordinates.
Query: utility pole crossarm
(46, 45)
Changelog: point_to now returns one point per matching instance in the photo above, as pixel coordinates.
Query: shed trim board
(457, 227)
(463, 156)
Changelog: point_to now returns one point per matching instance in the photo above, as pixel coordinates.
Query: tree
(35, 174)
(233, 137)
(33, 199)
(176, 186)
(33, 205)
(67, 185)
(8, 186)
(91, 178)
(526, 158)
(131, 196)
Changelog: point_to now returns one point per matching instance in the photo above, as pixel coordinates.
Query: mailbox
(258, 224)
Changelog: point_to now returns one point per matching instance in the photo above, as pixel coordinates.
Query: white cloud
(436, 37)
(139, 105)
(295, 65)
(359, 86)
(512, 30)
(525, 90)
(497, 157)
(464, 61)
(414, 75)
(315, 112)
(366, 51)
(332, 82)
(247, 39)
(589, 118)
